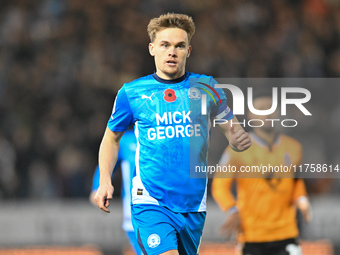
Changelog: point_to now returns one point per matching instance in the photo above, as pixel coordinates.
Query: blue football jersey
(172, 125)
(126, 159)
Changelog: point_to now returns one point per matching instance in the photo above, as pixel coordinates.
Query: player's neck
(268, 136)
(169, 81)
(166, 76)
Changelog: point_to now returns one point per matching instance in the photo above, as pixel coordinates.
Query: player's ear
(151, 49)
(189, 51)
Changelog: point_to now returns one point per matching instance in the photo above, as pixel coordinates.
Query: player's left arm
(301, 199)
(239, 139)
(300, 196)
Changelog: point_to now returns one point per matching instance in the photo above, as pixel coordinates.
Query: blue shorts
(134, 243)
(159, 230)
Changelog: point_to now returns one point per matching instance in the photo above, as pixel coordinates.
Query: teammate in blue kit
(126, 157)
(172, 129)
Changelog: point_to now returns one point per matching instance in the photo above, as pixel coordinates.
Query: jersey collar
(263, 143)
(159, 79)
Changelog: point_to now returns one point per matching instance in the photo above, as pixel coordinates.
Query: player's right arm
(221, 190)
(108, 155)
(120, 120)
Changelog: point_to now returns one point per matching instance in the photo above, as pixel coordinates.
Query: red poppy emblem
(169, 95)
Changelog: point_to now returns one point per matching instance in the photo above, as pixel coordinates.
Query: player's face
(170, 49)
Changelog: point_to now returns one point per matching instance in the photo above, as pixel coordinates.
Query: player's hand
(239, 140)
(102, 197)
(231, 226)
(91, 197)
(304, 206)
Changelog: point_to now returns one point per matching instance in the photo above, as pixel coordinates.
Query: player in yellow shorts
(264, 213)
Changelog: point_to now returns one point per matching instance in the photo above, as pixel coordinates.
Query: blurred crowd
(62, 62)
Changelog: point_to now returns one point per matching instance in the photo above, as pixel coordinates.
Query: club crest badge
(194, 93)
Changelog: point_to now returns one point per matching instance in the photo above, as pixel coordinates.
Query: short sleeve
(95, 179)
(122, 115)
(221, 110)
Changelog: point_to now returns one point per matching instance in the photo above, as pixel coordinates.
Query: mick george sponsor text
(173, 125)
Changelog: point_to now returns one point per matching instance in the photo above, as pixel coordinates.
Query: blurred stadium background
(61, 64)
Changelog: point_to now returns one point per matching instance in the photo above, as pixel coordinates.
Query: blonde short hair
(181, 21)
